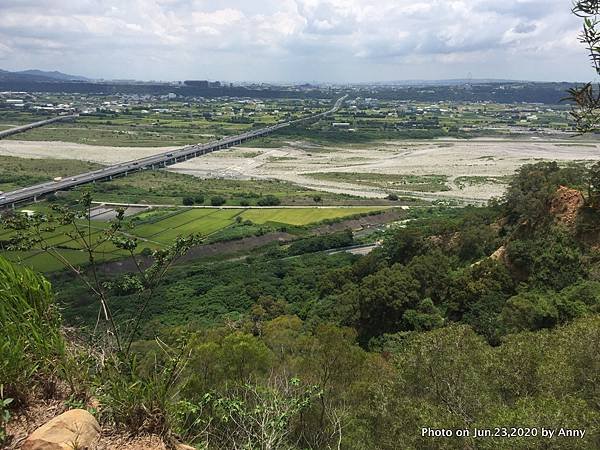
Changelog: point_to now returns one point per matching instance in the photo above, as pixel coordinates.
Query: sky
(336, 41)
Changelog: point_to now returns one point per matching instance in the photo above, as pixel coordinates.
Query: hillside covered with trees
(463, 319)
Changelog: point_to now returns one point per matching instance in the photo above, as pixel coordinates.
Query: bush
(143, 403)
(320, 243)
(268, 200)
(392, 197)
(196, 200)
(217, 200)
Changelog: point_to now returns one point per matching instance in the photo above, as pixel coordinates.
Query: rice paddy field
(157, 228)
(300, 217)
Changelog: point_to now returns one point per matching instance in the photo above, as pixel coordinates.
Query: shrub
(249, 416)
(217, 200)
(268, 200)
(319, 243)
(141, 402)
(195, 200)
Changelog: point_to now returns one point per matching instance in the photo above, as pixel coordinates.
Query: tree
(446, 370)
(587, 98)
(283, 335)
(333, 362)
(268, 200)
(488, 282)
(205, 367)
(384, 298)
(432, 270)
(476, 242)
(404, 245)
(217, 200)
(243, 356)
(550, 259)
(528, 197)
(530, 311)
(426, 316)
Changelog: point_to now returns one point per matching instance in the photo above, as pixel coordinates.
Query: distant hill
(54, 75)
(38, 76)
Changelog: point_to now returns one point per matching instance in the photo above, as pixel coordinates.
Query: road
(33, 193)
(33, 125)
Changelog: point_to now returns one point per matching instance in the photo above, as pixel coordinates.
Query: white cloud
(299, 39)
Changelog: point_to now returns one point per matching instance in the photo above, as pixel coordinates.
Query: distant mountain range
(39, 76)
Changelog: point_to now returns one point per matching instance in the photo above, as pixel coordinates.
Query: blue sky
(295, 40)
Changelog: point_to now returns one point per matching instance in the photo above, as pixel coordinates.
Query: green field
(199, 221)
(304, 216)
(158, 228)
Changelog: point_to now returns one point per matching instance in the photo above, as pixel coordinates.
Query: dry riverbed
(474, 169)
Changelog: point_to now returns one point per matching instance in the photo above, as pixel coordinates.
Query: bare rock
(565, 206)
(74, 429)
(499, 255)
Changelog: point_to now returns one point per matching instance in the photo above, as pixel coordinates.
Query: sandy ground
(479, 157)
(68, 150)
(489, 158)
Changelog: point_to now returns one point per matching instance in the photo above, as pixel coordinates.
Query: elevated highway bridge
(34, 193)
(41, 123)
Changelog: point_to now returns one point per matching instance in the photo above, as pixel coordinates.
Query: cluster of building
(27, 101)
(203, 84)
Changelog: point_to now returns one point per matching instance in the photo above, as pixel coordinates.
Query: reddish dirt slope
(565, 206)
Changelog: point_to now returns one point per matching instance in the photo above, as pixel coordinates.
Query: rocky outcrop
(500, 255)
(75, 429)
(566, 205)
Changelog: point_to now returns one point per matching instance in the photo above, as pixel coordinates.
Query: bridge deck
(33, 125)
(33, 193)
